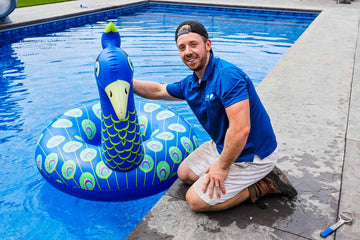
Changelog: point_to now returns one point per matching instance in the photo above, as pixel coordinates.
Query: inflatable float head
(121, 138)
(114, 72)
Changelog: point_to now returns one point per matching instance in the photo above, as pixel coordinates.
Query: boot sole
(282, 182)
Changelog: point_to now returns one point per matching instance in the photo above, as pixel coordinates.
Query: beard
(198, 64)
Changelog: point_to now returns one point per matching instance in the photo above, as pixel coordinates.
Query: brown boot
(274, 182)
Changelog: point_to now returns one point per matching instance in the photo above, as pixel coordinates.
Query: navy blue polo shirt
(224, 84)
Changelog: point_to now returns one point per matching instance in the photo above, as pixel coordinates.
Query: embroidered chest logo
(209, 97)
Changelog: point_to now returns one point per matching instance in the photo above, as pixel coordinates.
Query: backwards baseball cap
(191, 26)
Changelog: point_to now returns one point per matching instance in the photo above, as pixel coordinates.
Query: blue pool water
(47, 69)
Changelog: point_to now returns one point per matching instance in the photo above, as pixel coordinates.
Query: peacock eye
(97, 68)
(126, 92)
(110, 93)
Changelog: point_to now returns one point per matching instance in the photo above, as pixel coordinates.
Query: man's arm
(235, 140)
(152, 90)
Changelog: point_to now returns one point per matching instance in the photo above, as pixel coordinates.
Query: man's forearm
(233, 145)
(147, 89)
(152, 90)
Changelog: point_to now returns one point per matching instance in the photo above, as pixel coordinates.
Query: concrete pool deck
(313, 98)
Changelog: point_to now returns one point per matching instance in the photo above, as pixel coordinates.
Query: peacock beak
(118, 93)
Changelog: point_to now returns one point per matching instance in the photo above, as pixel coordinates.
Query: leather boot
(274, 183)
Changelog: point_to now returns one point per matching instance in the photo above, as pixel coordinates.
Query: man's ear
(208, 44)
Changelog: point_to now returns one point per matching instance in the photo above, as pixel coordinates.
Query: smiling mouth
(191, 60)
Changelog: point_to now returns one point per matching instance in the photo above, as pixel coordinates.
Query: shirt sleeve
(233, 87)
(175, 90)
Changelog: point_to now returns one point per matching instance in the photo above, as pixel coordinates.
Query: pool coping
(76, 11)
(246, 6)
(315, 118)
(61, 16)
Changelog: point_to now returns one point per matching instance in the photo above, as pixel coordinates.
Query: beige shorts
(241, 174)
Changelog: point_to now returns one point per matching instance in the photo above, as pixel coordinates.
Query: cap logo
(184, 29)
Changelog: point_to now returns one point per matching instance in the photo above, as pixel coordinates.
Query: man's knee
(185, 174)
(195, 202)
(181, 173)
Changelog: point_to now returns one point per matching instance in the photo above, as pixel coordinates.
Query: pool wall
(66, 21)
(15, 31)
(74, 9)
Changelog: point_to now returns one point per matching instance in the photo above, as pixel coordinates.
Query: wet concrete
(313, 98)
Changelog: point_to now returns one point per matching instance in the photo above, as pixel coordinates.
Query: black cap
(191, 26)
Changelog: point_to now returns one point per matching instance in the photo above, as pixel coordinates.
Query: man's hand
(235, 140)
(215, 179)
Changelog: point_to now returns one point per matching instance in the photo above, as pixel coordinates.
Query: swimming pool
(45, 71)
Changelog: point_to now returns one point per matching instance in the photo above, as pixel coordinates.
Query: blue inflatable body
(114, 149)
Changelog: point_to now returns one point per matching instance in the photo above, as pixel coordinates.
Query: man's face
(193, 50)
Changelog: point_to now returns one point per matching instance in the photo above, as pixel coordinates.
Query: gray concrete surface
(313, 97)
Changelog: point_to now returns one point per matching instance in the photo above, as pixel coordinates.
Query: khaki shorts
(241, 174)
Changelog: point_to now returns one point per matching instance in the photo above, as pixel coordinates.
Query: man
(239, 163)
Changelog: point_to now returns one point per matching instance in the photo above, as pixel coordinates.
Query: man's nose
(188, 51)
